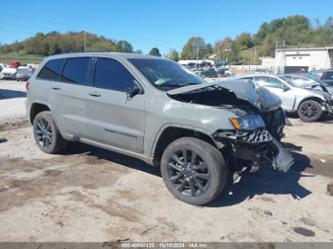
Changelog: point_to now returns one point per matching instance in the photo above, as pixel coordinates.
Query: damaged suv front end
(248, 142)
(251, 144)
(197, 132)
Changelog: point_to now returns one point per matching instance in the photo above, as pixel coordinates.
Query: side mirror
(135, 90)
(285, 88)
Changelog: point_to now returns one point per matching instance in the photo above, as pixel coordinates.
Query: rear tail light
(27, 85)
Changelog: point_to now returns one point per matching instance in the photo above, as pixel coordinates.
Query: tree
(245, 41)
(329, 24)
(235, 57)
(124, 46)
(208, 50)
(194, 49)
(155, 52)
(173, 55)
(223, 49)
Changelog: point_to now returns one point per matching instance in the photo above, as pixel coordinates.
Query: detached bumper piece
(258, 147)
(328, 106)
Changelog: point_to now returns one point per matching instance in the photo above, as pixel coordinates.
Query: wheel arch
(36, 108)
(319, 100)
(170, 133)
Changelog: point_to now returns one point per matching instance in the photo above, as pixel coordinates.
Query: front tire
(193, 170)
(46, 134)
(310, 111)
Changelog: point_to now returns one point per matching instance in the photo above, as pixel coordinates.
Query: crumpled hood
(245, 90)
(268, 100)
(190, 88)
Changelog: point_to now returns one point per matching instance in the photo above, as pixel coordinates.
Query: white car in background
(23, 73)
(305, 81)
(8, 73)
(309, 104)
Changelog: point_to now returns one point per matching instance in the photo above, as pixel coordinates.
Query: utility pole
(197, 54)
(255, 55)
(84, 40)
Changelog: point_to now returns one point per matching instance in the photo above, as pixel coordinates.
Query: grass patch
(21, 57)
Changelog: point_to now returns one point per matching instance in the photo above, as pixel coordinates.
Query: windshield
(165, 74)
(300, 81)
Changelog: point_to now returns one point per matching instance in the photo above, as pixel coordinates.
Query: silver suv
(155, 110)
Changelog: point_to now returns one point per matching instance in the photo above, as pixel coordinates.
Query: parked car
(305, 81)
(23, 73)
(224, 72)
(323, 75)
(215, 72)
(15, 64)
(210, 73)
(8, 73)
(310, 105)
(152, 109)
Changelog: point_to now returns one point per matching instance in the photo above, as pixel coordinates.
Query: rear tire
(46, 134)
(310, 111)
(193, 170)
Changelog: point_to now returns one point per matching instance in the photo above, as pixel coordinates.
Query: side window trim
(94, 71)
(62, 71)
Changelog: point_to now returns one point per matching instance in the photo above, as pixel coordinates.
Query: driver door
(114, 118)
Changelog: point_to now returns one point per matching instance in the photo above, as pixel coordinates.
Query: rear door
(114, 119)
(69, 96)
(47, 79)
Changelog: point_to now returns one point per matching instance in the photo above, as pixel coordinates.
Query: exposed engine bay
(220, 97)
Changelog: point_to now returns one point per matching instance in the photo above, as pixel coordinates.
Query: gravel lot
(12, 98)
(89, 194)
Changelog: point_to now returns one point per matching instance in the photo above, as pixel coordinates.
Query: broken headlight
(250, 122)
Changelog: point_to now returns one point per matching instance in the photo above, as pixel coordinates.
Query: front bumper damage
(328, 106)
(257, 147)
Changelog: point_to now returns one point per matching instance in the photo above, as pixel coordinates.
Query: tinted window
(51, 70)
(110, 74)
(329, 75)
(76, 71)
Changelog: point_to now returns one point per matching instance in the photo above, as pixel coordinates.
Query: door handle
(56, 88)
(95, 94)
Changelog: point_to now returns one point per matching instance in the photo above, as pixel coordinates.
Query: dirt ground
(89, 194)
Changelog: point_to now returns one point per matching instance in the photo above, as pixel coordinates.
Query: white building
(268, 62)
(292, 60)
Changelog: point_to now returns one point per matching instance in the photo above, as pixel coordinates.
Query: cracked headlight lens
(248, 122)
